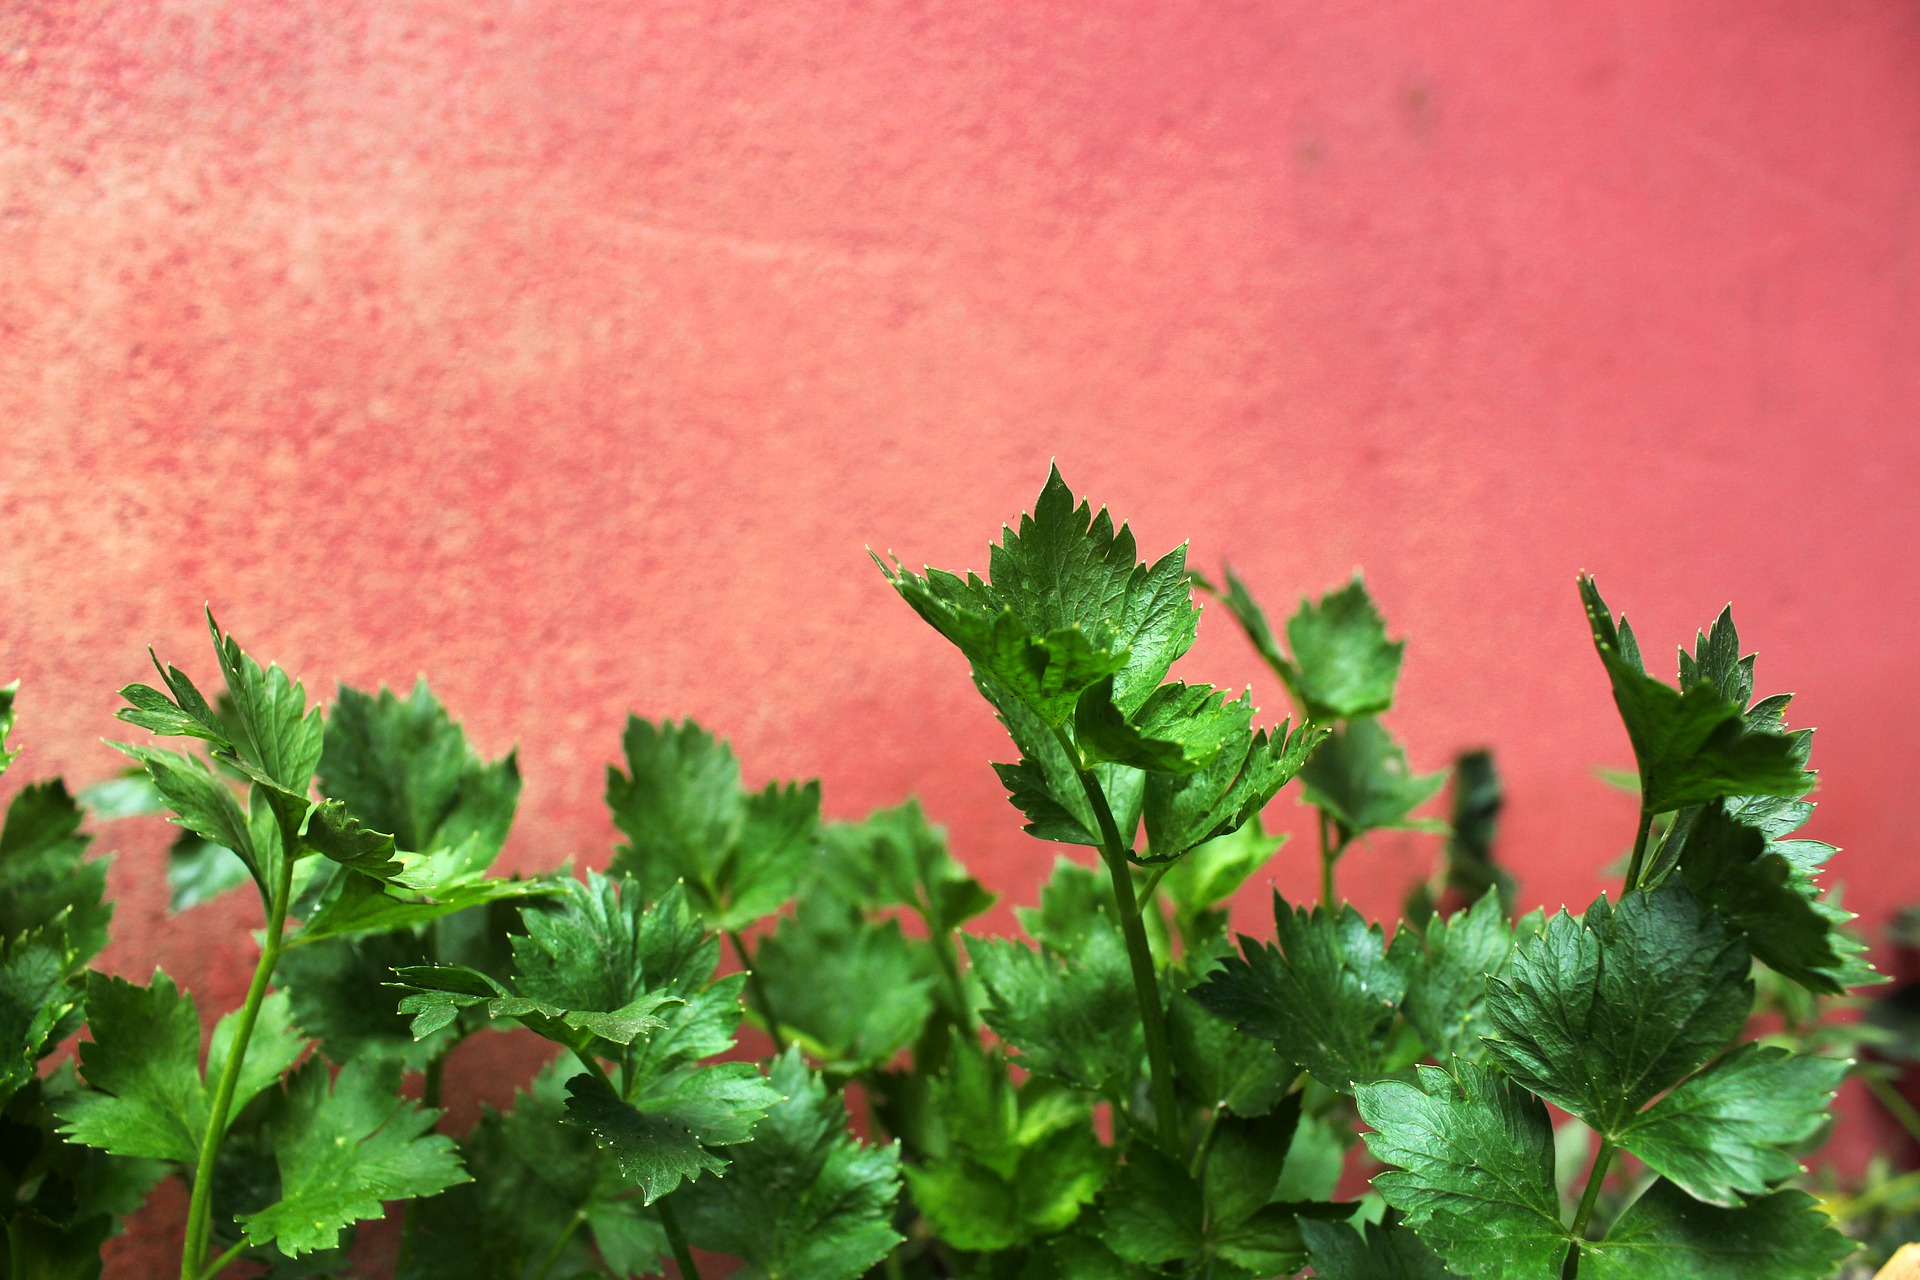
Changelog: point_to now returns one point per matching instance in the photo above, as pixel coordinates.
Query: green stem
(559, 1246)
(1639, 849)
(1330, 851)
(1152, 886)
(1893, 1100)
(200, 1204)
(598, 1072)
(949, 962)
(1595, 1177)
(215, 1267)
(756, 992)
(1146, 986)
(1205, 1149)
(677, 1241)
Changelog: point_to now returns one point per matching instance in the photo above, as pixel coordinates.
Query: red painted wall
(574, 352)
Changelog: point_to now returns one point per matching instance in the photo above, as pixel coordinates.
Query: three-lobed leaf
(1602, 1014)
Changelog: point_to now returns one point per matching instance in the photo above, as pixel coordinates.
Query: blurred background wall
(573, 354)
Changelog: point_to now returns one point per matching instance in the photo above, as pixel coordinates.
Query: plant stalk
(1330, 852)
(215, 1267)
(200, 1204)
(1146, 985)
(1890, 1097)
(677, 1241)
(756, 992)
(1595, 1177)
(1639, 849)
(949, 962)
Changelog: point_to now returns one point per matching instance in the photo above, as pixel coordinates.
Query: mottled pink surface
(574, 353)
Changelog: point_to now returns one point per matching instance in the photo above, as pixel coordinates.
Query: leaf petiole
(200, 1204)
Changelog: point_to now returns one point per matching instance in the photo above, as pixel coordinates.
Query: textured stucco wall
(573, 352)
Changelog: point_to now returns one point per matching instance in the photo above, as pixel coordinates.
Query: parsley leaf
(579, 979)
(1692, 747)
(1066, 606)
(1179, 730)
(142, 1061)
(1448, 970)
(1072, 1017)
(540, 1191)
(403, 766)
(44, 875)
(895, 857)
(1666, 1236)
(1474, 1175)
(1343, 666)
(1325, 996)
(1196, 886)
(1601, 1015)
(1731, 1131)
(342, 1148)
(1184, 812)
(1006, 1165)
(663, 1135)
(1732, 869)
(1341, 1252)
(1359, 776)
(823, 952)
(802, 1200)
(1045, 783)
(740, 854)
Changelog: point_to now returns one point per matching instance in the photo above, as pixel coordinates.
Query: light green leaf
(1448, 970)
(1075, 1022)
(1178, 730)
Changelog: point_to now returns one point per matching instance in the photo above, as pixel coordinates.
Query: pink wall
(572, 353)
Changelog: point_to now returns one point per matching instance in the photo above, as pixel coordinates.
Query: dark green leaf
(329, 983)
(687, 820)
(206, 806)
(663, 1136)
(1007, 1165)
(37, 996)
(1178, 730)
(44, 874)
(1447, 973)
(1231, 791)
(1078, 1022)
(1757, 893)
(1601, 1016)
(894, 857)
(1359, 776)
(142, 1061)
(402, 765)
(801, 1200)
(1153, 1213)
(274, 730)
(1731, 1131)
(1068, 605)
(824, 954)
(1666, 1236)
(1340, 1252)
(1343, 664)
(1693, 747)
(1325, 996)
(1474, 1169)
(342, 1148)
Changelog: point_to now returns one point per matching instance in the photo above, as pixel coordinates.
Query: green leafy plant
(1125, 1092)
